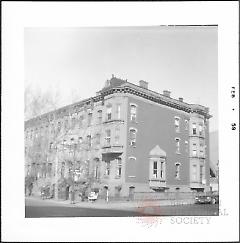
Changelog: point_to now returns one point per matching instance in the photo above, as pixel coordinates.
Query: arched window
(133, 112)
(177, 170)
(177, 124)
(177, 145)
(133, 136)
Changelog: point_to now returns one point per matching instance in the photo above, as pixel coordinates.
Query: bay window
(108, 137)
(194, 129)
(118, 111)
(109, 112)
(155, 169)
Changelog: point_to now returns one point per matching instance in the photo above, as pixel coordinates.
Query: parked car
(92, 196)
(207, 198)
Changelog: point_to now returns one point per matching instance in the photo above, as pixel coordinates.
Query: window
(89, 141)
(36, 132)
(201, 173)
(161, 170)
(44, 170)
(38, 171)
(109, 113)
(99, 116)
(97, 171)
(201, 153)
(98, 138)
(108, 137)
(118, 111)
(49, 170)
(64, 144)
(81, 121)
(80, 140)
(51, 146)
(107, 172)
(133, 112)
(177, 145)
(177, 171)
(155, 169)
(186, 124)
(59, 127)
(133, 135)
(186, 146)
(200, 130)
(194, 153)
(194, 129)
(119, 167)
(194, 172)
(89, 119)
(62, 169)
(52, 128)
(117, 134)
(65, 124)
(73, 121)
(177, 124)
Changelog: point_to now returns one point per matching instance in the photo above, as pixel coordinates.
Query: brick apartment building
(127, 138)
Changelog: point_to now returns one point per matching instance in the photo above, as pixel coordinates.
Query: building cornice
(124, 88)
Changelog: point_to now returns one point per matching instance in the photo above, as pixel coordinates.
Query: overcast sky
(78, 61)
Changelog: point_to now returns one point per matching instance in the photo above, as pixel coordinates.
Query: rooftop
(123, 85)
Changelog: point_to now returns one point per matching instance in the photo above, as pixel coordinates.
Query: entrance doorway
(131, 192)
(67, 192)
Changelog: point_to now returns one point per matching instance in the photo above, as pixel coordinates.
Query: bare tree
(38, 102)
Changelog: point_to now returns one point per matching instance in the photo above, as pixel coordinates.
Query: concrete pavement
(102, 204)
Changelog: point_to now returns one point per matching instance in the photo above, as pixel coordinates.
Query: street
(39, 209)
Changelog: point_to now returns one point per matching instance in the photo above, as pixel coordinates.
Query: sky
(76, 62)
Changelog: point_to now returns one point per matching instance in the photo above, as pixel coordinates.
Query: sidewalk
(126, 205)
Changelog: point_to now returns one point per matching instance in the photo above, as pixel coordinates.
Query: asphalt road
(41, 209)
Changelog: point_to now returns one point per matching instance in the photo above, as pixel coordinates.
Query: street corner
(149, 214)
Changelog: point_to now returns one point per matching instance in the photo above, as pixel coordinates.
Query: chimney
(143, 84)
(180, 99)
(166, 93)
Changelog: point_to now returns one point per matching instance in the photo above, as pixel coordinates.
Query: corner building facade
(127, 137)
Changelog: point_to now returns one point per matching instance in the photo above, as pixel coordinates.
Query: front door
(131, 192)
(67, 192)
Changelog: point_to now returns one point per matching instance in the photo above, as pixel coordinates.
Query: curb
(115, 205)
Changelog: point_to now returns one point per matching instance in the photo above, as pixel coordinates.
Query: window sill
(132, 146)
(135, 122)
